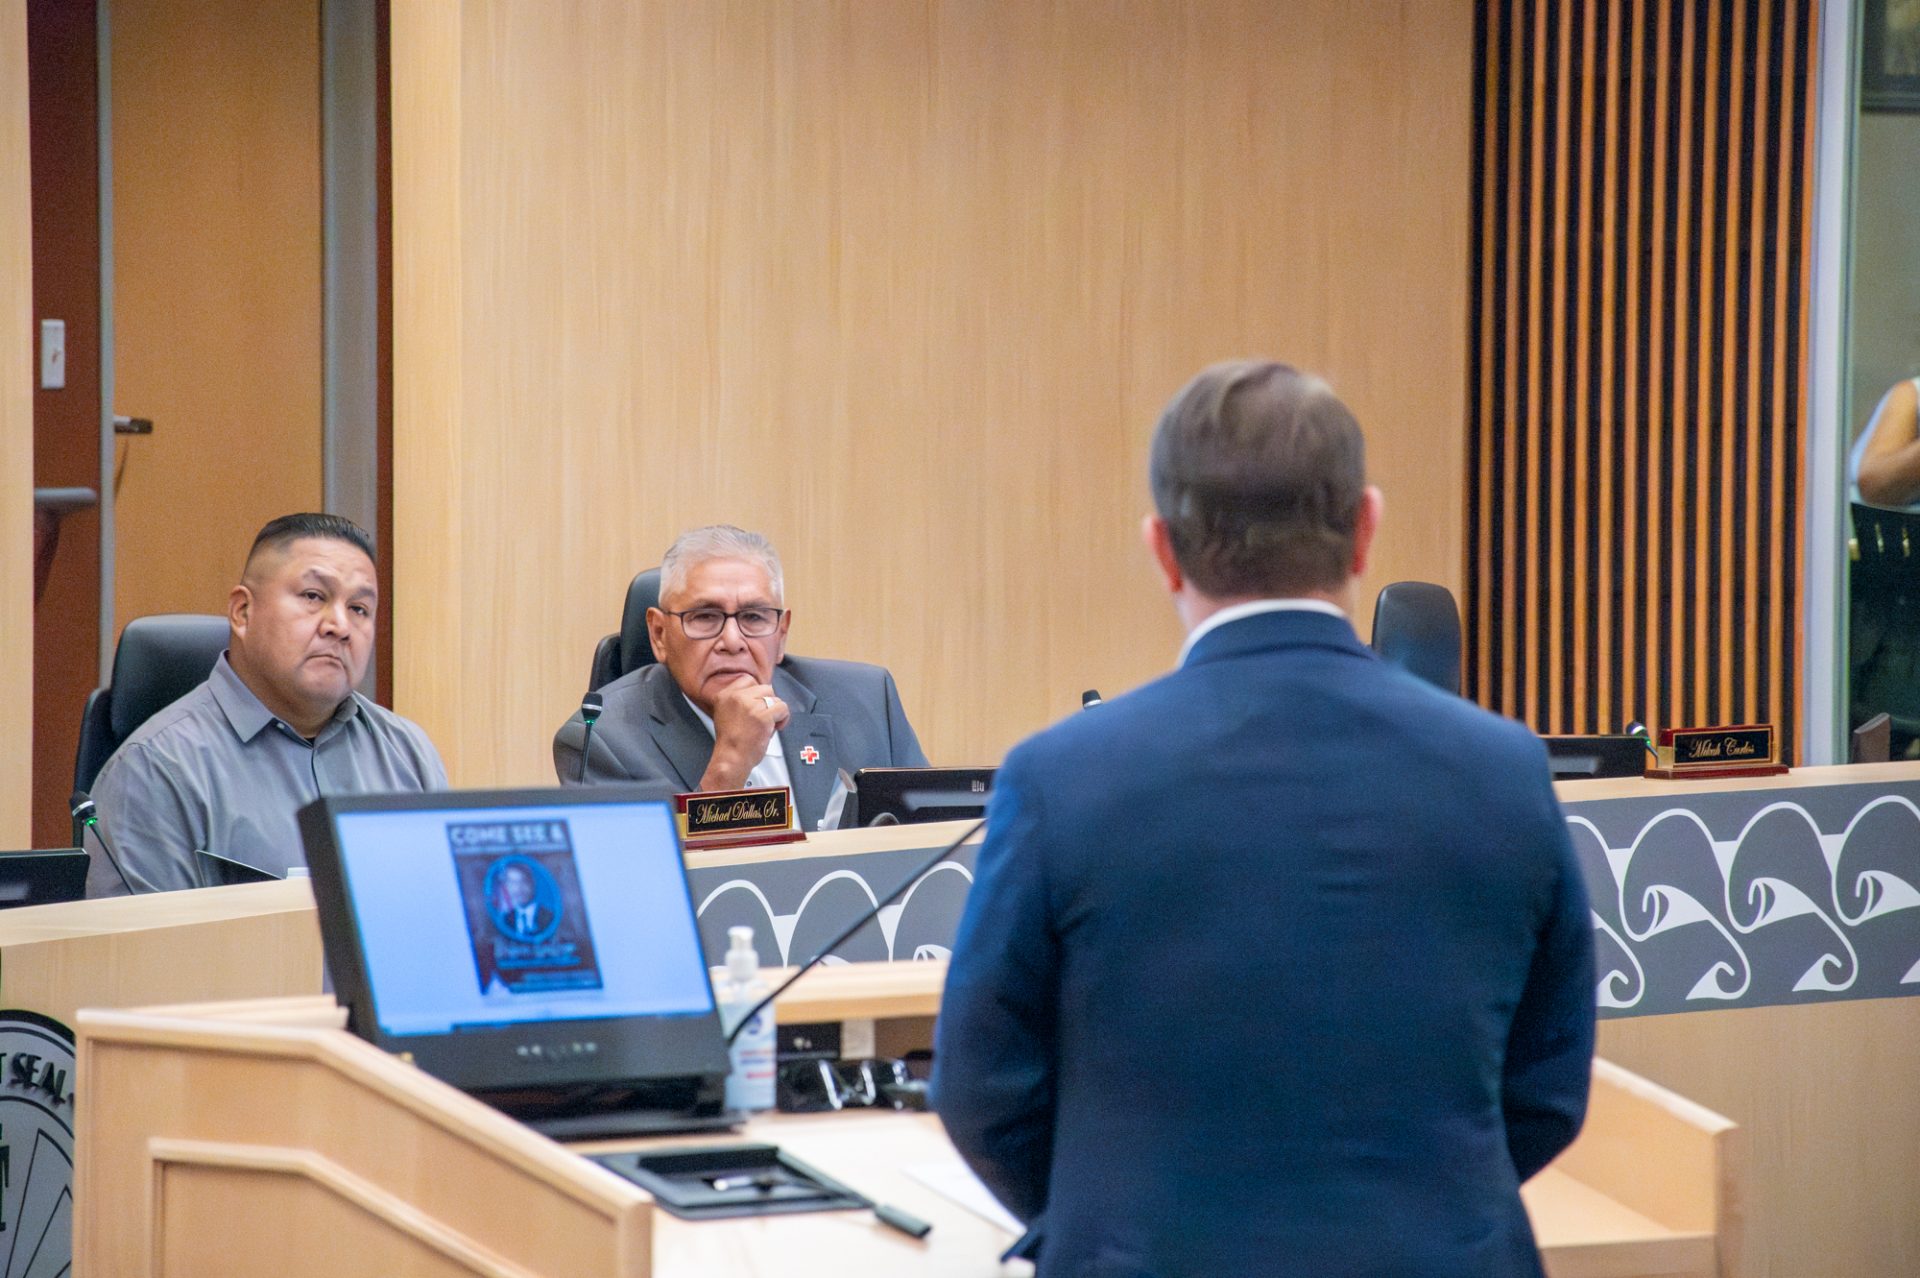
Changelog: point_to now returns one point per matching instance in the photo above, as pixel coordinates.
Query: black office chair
(159, 660)
(1884, 661)
(1417, 626)
(632, 648)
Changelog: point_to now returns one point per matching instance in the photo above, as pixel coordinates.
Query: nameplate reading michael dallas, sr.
(1744, 750)
(733, 818)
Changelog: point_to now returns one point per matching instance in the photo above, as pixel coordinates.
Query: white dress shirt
(1239, 612)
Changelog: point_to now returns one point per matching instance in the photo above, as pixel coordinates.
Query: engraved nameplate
(1748, 749)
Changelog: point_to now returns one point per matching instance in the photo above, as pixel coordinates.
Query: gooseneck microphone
(1639, 729)
(589, 711)
(87, 817)
(865, 918)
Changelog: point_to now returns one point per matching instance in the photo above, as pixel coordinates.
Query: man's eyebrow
(321, 576)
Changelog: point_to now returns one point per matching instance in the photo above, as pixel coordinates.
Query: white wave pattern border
(1770, 901)
(889, 918)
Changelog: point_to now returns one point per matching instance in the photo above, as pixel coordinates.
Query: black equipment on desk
(910, 796)
(1579, 758)
(746, 1180)
(732, 1180)
(535, 948)
(42, 877)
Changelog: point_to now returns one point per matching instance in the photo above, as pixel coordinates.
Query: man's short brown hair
(1259, 471)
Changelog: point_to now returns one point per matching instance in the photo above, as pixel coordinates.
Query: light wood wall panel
(216, 164)
(1824, 1097)
(1640, 256)
(19, 368)
(905, 286)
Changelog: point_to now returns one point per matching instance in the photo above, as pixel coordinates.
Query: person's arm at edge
(146, 816)
(1890, 466)
(994, 1055)
(904, 742)
(1549, 1060)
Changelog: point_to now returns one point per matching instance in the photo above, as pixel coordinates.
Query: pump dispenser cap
(743, 961)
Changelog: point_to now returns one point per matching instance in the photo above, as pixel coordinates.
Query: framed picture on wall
(1890, 55)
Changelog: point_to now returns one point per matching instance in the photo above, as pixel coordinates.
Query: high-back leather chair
(159, 660)
(1416, 625)
(1884, 634)
(632, 647)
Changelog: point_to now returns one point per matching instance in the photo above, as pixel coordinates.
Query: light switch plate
(53, 354)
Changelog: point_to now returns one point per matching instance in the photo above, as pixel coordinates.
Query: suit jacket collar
(1268, 631)
(812, 782)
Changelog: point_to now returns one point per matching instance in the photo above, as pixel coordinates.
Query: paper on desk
(952, 1181)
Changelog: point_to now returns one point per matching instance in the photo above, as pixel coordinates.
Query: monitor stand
(646, 1107)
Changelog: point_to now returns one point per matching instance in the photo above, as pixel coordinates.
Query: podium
(261, 1137)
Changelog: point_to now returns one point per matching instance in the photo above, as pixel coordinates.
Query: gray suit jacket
(848, 712)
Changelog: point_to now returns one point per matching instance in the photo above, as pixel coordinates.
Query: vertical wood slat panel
(1650, 660)
(1732, 419)
(1583, 567)
(1632, 686)
(1639, 347)
(1603, 515)
(1510, 371)
(1772, 20)
(1533, 637)
(1555, 549)
(1680, 437)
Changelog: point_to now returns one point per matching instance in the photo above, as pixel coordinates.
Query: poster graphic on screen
(525, 914)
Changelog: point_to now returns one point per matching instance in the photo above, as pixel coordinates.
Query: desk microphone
(589, 711)
(1090, 698)
(1638, 729)
(864, 919)
(87, 817)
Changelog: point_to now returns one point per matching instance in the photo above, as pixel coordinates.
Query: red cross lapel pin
(809, 756)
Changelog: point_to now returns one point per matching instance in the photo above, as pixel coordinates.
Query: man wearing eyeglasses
(726, 708)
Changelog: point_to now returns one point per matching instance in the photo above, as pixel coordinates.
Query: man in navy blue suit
(1281, 964)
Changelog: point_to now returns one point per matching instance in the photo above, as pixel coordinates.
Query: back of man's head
(1259, 472)
(280, 533)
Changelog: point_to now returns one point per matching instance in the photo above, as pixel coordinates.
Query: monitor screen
(473, 917)
(42, 877)
(513, 939)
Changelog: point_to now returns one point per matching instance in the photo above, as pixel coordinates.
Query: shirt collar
(1252, 608)
(706, 721)
(247, 714)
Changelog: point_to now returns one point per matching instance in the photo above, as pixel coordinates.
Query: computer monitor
(1578, 758)
(518, 943)
(42, 877)
(909, 796)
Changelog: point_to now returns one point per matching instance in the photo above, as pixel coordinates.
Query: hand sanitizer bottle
(750, 1078)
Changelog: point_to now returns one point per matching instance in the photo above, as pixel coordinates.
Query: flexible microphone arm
(864, 919)
(589, 711)
(87, 817)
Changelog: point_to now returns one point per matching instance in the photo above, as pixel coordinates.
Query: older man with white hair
(725, 707)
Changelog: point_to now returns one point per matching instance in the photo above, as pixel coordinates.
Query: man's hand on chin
(745, 717)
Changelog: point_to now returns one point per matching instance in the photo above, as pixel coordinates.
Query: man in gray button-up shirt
(277, 724)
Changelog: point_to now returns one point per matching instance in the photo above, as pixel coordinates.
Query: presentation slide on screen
(498, 916)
